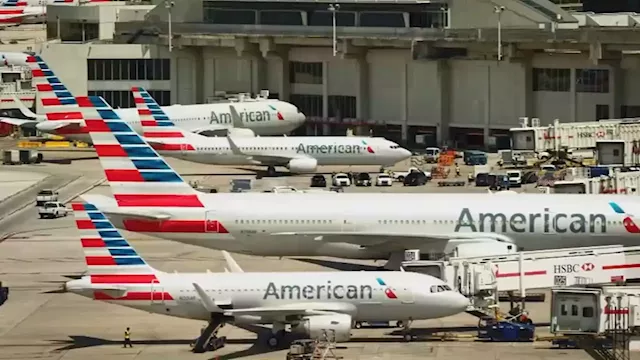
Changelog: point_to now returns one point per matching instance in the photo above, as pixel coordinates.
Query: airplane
(300, 154)
(258, 116)
(19, 3)
(151, 198)
(14, 58)
(311, 302)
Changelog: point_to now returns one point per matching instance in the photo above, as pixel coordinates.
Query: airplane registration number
(248, 232)
(187, 298)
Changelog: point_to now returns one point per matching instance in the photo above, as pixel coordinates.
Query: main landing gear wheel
(358, 325)
(407, 337)
(271, 171)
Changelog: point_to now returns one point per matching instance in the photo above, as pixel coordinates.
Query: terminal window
(281, 17)
(342, 107)
(310, 105)
(548, 79)
(128, 69)
(305, 72)
(592, 80)
(325, 18)
(229, 16)
(119, 99)
(382, 19)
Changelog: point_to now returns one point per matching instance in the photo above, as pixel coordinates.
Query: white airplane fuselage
(358, 293)
(270, 224)
(264, 117)
(327, 150)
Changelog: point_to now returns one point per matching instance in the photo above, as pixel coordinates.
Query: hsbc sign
(572, 268)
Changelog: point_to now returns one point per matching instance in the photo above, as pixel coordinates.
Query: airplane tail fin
(109, 257)
(52, 93)
(158, 129)
(13, 3)
(138, 176)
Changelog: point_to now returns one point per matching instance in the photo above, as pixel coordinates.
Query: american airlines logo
(330, 149)
(245, 116)
(317, 292)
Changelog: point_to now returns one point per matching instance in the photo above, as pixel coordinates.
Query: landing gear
(406, 330)
(278, 334)
(208, 339)
(271, 171)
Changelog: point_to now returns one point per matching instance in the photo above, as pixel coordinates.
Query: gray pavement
(38, 255)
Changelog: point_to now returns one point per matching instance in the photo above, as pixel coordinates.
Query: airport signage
(548, 222)
(245, 116)
(566, 268)
(329, 149)
(317, 292)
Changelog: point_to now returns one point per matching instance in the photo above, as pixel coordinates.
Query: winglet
(236, 120)
(25, 110)
(206, 300)
(234, 148)
(233, 265)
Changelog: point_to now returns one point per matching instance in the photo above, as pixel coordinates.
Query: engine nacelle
(314, 327)
(302, 165)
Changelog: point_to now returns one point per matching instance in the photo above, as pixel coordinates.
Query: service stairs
(610, 347)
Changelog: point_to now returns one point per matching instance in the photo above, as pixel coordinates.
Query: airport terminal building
(415, 72)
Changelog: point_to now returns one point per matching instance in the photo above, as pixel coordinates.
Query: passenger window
(574, 310)
(587, 312)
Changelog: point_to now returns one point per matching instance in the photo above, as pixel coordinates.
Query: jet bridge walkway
(482, 278)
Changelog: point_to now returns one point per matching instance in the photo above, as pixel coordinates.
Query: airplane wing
(264, 159)
(25, 110)
(233, 265)
(109, 207)
(56, 125)
(296, 310)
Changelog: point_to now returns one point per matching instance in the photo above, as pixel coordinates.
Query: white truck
(46, 196)
(400, 175)
(432, 155)
(52, 209)
(515, 178)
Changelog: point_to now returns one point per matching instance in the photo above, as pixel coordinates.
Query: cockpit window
(439, 288)
(394, 146)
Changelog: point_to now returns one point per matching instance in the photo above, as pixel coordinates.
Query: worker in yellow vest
(127, 338)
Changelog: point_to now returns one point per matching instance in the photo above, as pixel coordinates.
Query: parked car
(498, 182)
(318, 181)
(415, 178)
(52, 209)
(341, 179)
(482, 179)
(363, 179)
(45, 196)
(515, 178)
(384, 179)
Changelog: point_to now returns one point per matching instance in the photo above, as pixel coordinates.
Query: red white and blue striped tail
(138, 176)
(157, 127)
(14, 3)
(109, 257)
(52, 93)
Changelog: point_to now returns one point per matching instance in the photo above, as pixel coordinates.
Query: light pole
(169, 5)
(443, 22)
(498, 10)
(334, 9)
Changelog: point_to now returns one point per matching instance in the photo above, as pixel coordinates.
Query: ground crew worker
(457, 170)
(127, 338)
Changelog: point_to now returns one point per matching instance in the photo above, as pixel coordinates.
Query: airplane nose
(458, 303)
(405, 154)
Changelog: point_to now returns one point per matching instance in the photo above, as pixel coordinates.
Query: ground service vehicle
(432, 155)
(415, 178)
(52, 209)
(384, 180)
(498, 182)
(363, 179)
(318, 181)
(45, 196)
(341, 179)
(515, 178)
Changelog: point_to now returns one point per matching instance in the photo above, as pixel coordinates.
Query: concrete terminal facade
(414, 73)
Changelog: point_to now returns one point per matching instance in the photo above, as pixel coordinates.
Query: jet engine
(338, 325)
(302, 165)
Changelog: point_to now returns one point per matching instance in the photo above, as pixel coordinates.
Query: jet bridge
(481, 278)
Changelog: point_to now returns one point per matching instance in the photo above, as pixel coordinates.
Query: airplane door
(157, 293)
(211, 223)
(184, 148)
(405, 296)
(348, 225)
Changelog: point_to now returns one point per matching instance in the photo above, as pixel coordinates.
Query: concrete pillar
(487, 109)
(527, 67)
(259, 71)
(404, 101)
(284, 86)
(198, 62)
(362, 99)
(573, 99)
(444, 80)
(326, 129)
(325, 90)
(616, 86)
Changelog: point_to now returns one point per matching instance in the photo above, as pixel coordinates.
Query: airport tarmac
(36, 254)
